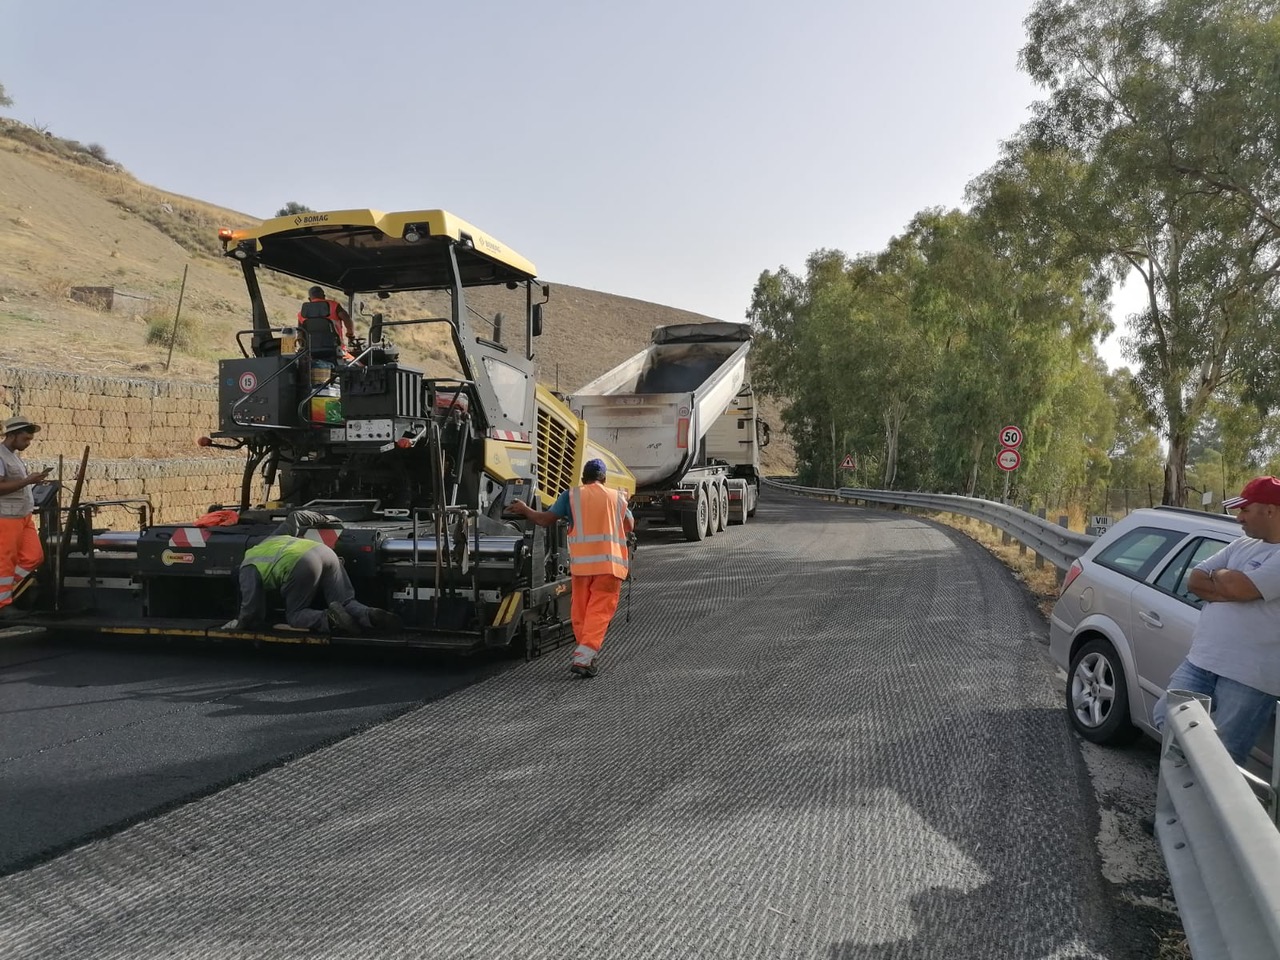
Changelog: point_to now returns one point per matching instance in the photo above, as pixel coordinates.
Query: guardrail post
(1058, 573)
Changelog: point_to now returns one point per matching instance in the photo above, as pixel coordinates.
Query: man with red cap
(599, 522)
(1235, 650)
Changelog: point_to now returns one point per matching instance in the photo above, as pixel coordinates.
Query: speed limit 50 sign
(1010, 436)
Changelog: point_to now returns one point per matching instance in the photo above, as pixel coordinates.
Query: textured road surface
(835, 736)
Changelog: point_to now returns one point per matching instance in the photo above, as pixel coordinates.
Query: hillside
(69, 220)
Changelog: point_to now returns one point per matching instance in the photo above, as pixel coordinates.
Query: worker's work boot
(384, 621)
(339, 621)
(584, 661)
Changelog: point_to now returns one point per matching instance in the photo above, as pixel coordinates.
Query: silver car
(1124, 619)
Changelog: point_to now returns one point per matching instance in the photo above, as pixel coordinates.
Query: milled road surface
(833, 733)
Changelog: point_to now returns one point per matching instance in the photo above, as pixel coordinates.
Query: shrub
(99, 153)
(160, 329)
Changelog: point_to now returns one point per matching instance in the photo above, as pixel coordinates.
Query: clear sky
(668, 151)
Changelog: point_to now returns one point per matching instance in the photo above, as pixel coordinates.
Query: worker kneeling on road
(599, 522)
(300, 569)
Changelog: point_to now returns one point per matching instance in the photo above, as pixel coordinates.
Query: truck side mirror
(537, 319)
(375, 329)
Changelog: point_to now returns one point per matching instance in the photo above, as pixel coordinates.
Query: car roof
(1180, 519)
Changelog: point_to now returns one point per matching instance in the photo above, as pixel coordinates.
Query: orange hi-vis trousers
(20, 553)
(595, 598)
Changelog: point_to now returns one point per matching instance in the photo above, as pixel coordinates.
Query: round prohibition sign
(1008, 459)
(1010, 436)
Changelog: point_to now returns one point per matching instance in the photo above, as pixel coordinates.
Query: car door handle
(1150, 619)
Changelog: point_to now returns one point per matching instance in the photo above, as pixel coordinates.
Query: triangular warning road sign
(847, 463)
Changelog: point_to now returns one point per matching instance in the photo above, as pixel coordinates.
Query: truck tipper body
(681, 415)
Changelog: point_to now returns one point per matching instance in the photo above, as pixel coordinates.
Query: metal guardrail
(1056, 544)
(1221, 848)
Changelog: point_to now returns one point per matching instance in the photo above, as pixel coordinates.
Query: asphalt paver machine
(415, 470)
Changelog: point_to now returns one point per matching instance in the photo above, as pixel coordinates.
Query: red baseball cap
(1257, 490)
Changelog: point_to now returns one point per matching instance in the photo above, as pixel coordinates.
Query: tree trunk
(835, 457)
(1175, 470)
(972, 485)
(893, 415)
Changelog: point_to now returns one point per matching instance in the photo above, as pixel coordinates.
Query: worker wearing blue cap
(599, 522)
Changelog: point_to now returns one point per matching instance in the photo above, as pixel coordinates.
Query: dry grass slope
(69, 219)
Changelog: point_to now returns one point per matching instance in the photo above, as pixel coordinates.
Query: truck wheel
(722, 493)
(694, 522)
(713, 509)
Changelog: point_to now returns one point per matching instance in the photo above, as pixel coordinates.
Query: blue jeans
(1239, 711)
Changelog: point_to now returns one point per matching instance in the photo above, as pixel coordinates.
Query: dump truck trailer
(413, 471)
(681, 414)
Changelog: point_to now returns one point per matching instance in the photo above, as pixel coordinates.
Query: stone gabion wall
(178, 490)
(141, 436)
(117, 417)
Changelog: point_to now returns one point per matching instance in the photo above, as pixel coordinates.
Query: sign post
(1008, 458)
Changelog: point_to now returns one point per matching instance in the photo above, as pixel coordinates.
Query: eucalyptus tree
(844, 345)
(799, 356)
(1171, 106)
(1012, 326)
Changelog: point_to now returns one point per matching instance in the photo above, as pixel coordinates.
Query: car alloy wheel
(1097, 697)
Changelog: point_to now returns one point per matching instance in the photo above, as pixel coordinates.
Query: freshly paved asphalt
(97, 734)
(832, 733)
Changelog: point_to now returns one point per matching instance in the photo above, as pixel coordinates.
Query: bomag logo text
(311, 218)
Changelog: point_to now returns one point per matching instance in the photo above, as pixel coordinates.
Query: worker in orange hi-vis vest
(599, 522)
(20, 550)
(333, 315)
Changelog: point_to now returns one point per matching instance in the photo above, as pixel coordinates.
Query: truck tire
(713, 509)
(753, 491)
(722, 496)
(694, 522)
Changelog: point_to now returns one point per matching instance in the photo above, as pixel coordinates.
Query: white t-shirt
(1236, 639)
(21, 502)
